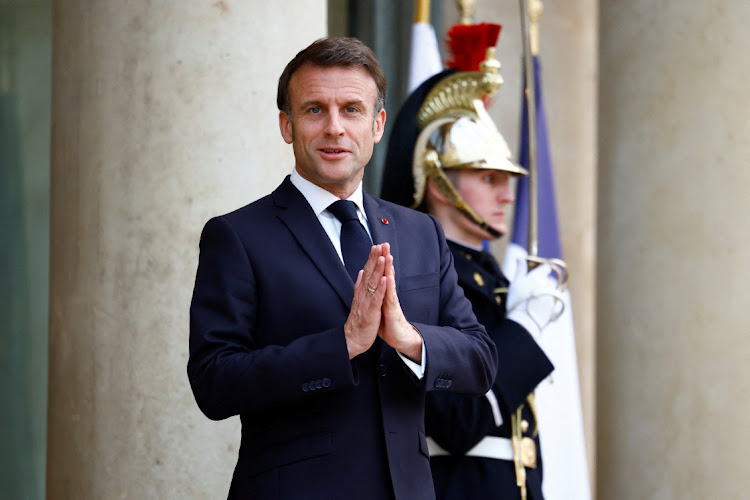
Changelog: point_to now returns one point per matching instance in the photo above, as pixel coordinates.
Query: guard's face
(333, 127)
(489, 193)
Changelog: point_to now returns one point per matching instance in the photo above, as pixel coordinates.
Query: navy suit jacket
(267, 343)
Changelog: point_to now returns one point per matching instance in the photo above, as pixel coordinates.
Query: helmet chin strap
(493, 232)
(444, 184)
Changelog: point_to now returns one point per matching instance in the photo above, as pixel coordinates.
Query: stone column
(673, 267)
(163, 115)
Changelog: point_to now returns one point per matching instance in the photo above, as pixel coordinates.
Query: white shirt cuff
(417, 369)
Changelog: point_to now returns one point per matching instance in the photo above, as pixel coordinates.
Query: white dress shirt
(320, 199)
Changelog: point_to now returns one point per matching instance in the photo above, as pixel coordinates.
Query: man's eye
(352, 110)
(314, 110)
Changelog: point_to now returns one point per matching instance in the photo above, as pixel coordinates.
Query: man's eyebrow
(320, 104)
(312, 103)
(355, 102)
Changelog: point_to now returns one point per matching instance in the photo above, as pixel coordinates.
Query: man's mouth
(333, 151)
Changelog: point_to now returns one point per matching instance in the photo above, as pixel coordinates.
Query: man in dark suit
(327, 358)
(447, 158)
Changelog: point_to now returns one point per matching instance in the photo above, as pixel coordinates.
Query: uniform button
(305, 387)
(318, 384)
(524, 425)
(382, 370)
(326, 382)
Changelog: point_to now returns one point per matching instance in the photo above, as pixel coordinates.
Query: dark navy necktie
(355, 242)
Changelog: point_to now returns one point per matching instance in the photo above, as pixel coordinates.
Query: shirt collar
(320, 199)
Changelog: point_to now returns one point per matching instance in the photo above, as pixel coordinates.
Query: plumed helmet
(445, 125)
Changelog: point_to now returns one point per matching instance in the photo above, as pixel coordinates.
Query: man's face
(333, 127)
(488, 192)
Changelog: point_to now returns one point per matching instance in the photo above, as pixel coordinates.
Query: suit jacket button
(318, 384)
(305, 387)
(382, 370)
(326, 382)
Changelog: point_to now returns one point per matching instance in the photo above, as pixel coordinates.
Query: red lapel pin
(384, 221)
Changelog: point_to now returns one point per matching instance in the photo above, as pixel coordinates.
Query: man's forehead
(307, 66)
(311, 74)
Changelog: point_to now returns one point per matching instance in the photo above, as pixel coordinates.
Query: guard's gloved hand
(534, 299)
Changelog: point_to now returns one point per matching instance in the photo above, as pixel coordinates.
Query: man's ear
(286, 127)
(378, 127)
(435, 193)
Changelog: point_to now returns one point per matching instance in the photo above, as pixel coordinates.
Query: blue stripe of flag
(549, 234)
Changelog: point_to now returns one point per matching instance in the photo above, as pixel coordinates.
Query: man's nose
(334, 125)
(505, 191)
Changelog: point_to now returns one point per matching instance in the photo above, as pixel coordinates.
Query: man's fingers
(385, 249)
(371, 275)
(389, 269)
(372, 258)
(376, 286)
(364, 320)
(391, 302)
(370, 270)
(368, 290)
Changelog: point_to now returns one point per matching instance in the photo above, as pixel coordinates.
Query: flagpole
(529, 31)
(422, 11)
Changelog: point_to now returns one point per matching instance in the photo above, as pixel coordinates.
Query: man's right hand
(361, 327)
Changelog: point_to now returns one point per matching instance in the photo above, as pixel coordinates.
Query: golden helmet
(454, 131)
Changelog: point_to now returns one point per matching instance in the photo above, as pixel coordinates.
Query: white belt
(496, 447)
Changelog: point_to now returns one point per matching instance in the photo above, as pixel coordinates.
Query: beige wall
(163, 115)
(568, 52)
(673, 323)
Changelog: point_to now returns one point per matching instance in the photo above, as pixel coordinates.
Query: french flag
(558, 398)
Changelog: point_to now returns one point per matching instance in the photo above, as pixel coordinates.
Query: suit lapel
(299, 217)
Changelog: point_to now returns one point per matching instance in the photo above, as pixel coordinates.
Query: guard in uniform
(444, 151)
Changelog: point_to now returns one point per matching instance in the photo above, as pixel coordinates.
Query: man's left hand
(395, 330)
